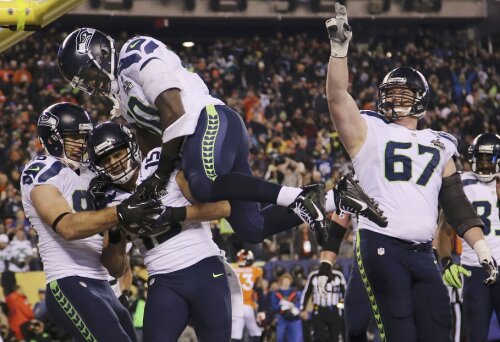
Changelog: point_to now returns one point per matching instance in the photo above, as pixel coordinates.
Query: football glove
(324, 277)
(490, 265)
(154, 186)
(135, 214)
(452, 273)
(99, 192)
(339, 32)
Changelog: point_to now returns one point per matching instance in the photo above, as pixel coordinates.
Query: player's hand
(261, 317)
(324, 277)
(490, 265)
(98, 191)
(136, 215)
(339, 32)
(452, 273)
(153, 186)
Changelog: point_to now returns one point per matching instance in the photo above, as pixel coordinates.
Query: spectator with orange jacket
(19, 311)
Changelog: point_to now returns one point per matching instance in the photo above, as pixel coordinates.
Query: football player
(170, 105)
(481, 187)
(187, 276)
(249, 276)
(409, 172)
(55, 199)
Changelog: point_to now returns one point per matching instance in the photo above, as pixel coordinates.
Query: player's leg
(334, 324)
(210, 303)
(357, 308)
(167, 312)
(208, 160)
(495, 299)
(478, 305)
(320, 331)
(430, 299)
(76, 305)
(251, 321)
(237, 327)
(388, 284)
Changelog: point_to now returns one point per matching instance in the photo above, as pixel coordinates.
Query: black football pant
(408, 297)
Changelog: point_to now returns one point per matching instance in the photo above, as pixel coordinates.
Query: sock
(329, 202)
(287, 195)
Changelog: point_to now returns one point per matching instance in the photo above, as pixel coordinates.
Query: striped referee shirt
(336, 290)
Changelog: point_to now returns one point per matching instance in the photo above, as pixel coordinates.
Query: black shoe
(350, 197)
(310, 207)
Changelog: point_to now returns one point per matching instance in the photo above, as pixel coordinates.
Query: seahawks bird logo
(83, 40)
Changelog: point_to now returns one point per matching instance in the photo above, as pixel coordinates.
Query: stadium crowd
(277, 83)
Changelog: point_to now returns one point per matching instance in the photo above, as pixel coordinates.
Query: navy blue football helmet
(108, 138)
(63, 129)
(484, 156)
(403, 92)
(88, 60)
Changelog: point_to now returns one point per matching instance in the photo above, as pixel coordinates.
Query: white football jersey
(402, 170)
(193, 244)
(62, 258)
(484, 199)
(146, 68)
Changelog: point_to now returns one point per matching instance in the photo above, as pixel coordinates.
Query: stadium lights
(228, 5)
(188, 44)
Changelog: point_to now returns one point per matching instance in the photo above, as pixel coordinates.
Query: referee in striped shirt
(326, 316)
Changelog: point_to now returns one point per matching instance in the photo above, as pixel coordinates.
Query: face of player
(401, 98)
(75, 147)
(485, 164)
(96, 81)
(115, 164)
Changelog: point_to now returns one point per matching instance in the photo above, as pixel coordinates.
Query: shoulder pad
(41, 169)
(138, 50)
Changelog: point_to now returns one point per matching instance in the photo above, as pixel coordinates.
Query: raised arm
(343, 110)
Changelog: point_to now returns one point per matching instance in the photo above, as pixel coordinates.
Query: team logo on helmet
(47, 119)
(83, 40)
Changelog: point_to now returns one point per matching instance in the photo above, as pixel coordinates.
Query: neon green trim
(71, 311)
(208, 142)
(21, 14)
(369, 291)
(139, 314)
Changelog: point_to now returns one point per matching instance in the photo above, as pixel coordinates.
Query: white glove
(116, 111)
(490, 265)
(339, 32)
(295, 311)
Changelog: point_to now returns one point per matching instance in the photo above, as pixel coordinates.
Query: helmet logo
(401, 80)
(104, 146)
(47, 119)
(486, 149)
(83, 39)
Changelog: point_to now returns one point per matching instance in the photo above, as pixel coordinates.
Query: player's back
(62, 258)
(175, 249)
(402, 170)
(484, 199)
(138, 96)
(248, 275)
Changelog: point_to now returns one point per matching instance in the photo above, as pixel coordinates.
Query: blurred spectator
(20, 252)
(286, 302)
(19, 311)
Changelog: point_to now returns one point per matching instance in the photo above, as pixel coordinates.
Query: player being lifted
(171, 106)
(409, 172)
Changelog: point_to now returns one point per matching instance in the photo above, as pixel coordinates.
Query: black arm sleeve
(458, 210)
(336, 234)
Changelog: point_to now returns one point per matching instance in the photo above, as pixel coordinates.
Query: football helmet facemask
(484, 156)
(88, 60)
(114, 152)
(63, 129)
(403, 92)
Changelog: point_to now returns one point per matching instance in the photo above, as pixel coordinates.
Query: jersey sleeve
(41, 171)
(150, 64)
(149, 164)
